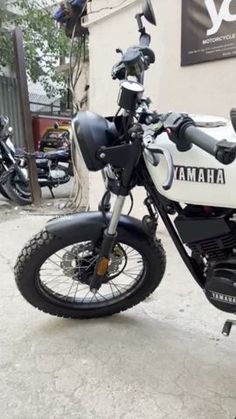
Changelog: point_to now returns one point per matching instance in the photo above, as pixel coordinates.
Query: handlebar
(224, 151)
(135, 60)
(183, 132)
(194, 136)
(144, 40)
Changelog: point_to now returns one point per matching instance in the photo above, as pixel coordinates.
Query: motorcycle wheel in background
(2, 181)
(17, 189)
(3, 192)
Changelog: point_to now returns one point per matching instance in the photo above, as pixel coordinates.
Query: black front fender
(90, 225)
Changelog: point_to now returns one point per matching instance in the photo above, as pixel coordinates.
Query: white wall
(203, 88)
(81, 96)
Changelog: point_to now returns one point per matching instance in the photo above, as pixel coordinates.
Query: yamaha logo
(223, 298)
(200, 175)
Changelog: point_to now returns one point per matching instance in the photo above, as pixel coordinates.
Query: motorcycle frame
(160, 204)
(135, 173)
(6, 152)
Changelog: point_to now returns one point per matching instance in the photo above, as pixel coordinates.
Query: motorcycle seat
(53, 155)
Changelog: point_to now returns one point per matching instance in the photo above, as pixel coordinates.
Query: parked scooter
(97, 264)
(53, 168)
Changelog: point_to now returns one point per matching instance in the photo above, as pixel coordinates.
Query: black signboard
(208, 30)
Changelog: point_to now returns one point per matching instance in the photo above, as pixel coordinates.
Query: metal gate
(10, 106)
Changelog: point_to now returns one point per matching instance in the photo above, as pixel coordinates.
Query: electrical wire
(132, 204)
(78, 60)
(108, 8)
(76, 155)
(74, 80)
(117, 113)
(106, 194)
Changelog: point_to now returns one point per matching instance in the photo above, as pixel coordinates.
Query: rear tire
(3, 192)
(16, 192)
(44, 245)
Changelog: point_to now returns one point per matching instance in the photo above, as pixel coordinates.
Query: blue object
(78, 3)
(59, 15)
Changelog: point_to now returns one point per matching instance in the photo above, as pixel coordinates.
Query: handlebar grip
(201, 139)
(224, 151)
(183, 132)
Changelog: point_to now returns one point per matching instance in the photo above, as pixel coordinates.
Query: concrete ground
(164, 359)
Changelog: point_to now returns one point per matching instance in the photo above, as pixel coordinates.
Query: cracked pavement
(163, 359)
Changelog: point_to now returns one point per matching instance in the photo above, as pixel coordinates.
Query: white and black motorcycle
(99, 263)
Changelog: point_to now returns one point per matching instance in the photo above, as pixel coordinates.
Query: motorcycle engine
(57, 174)
(212, 240)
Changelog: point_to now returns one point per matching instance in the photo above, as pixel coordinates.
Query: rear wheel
(3, 174)
(3, 192)
(55, 276)
(17, 190)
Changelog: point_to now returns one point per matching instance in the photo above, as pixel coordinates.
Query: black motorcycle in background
(53, 167)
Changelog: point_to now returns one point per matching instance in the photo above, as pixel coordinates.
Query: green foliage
(44, 41)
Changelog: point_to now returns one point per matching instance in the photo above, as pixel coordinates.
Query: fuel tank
(199, 178)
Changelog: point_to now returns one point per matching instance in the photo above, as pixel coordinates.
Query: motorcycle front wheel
(54, 275)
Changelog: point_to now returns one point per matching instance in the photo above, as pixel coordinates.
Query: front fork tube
(109, 238)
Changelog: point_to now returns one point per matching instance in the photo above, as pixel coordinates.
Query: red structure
(42, 122)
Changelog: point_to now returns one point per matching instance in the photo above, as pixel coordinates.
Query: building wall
(10, 106)
(82, 89)
(204, 88)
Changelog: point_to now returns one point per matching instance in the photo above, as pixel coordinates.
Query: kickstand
(227, 327)
(52, 194)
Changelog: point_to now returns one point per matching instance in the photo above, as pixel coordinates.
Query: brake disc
(118, 258)
(79, 262)
(78, 257)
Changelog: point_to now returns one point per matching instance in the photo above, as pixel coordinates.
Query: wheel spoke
(115, 287)
(132, 270)
(56, 254)
(86, 295)
(129, 275)
(102, 296)
(124, 286)
(70, 288)
(54, 263)
(112, 289)
(61, 273)
(130, 252)
(77, 286)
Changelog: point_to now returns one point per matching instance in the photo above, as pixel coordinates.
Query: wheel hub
(79, 263)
